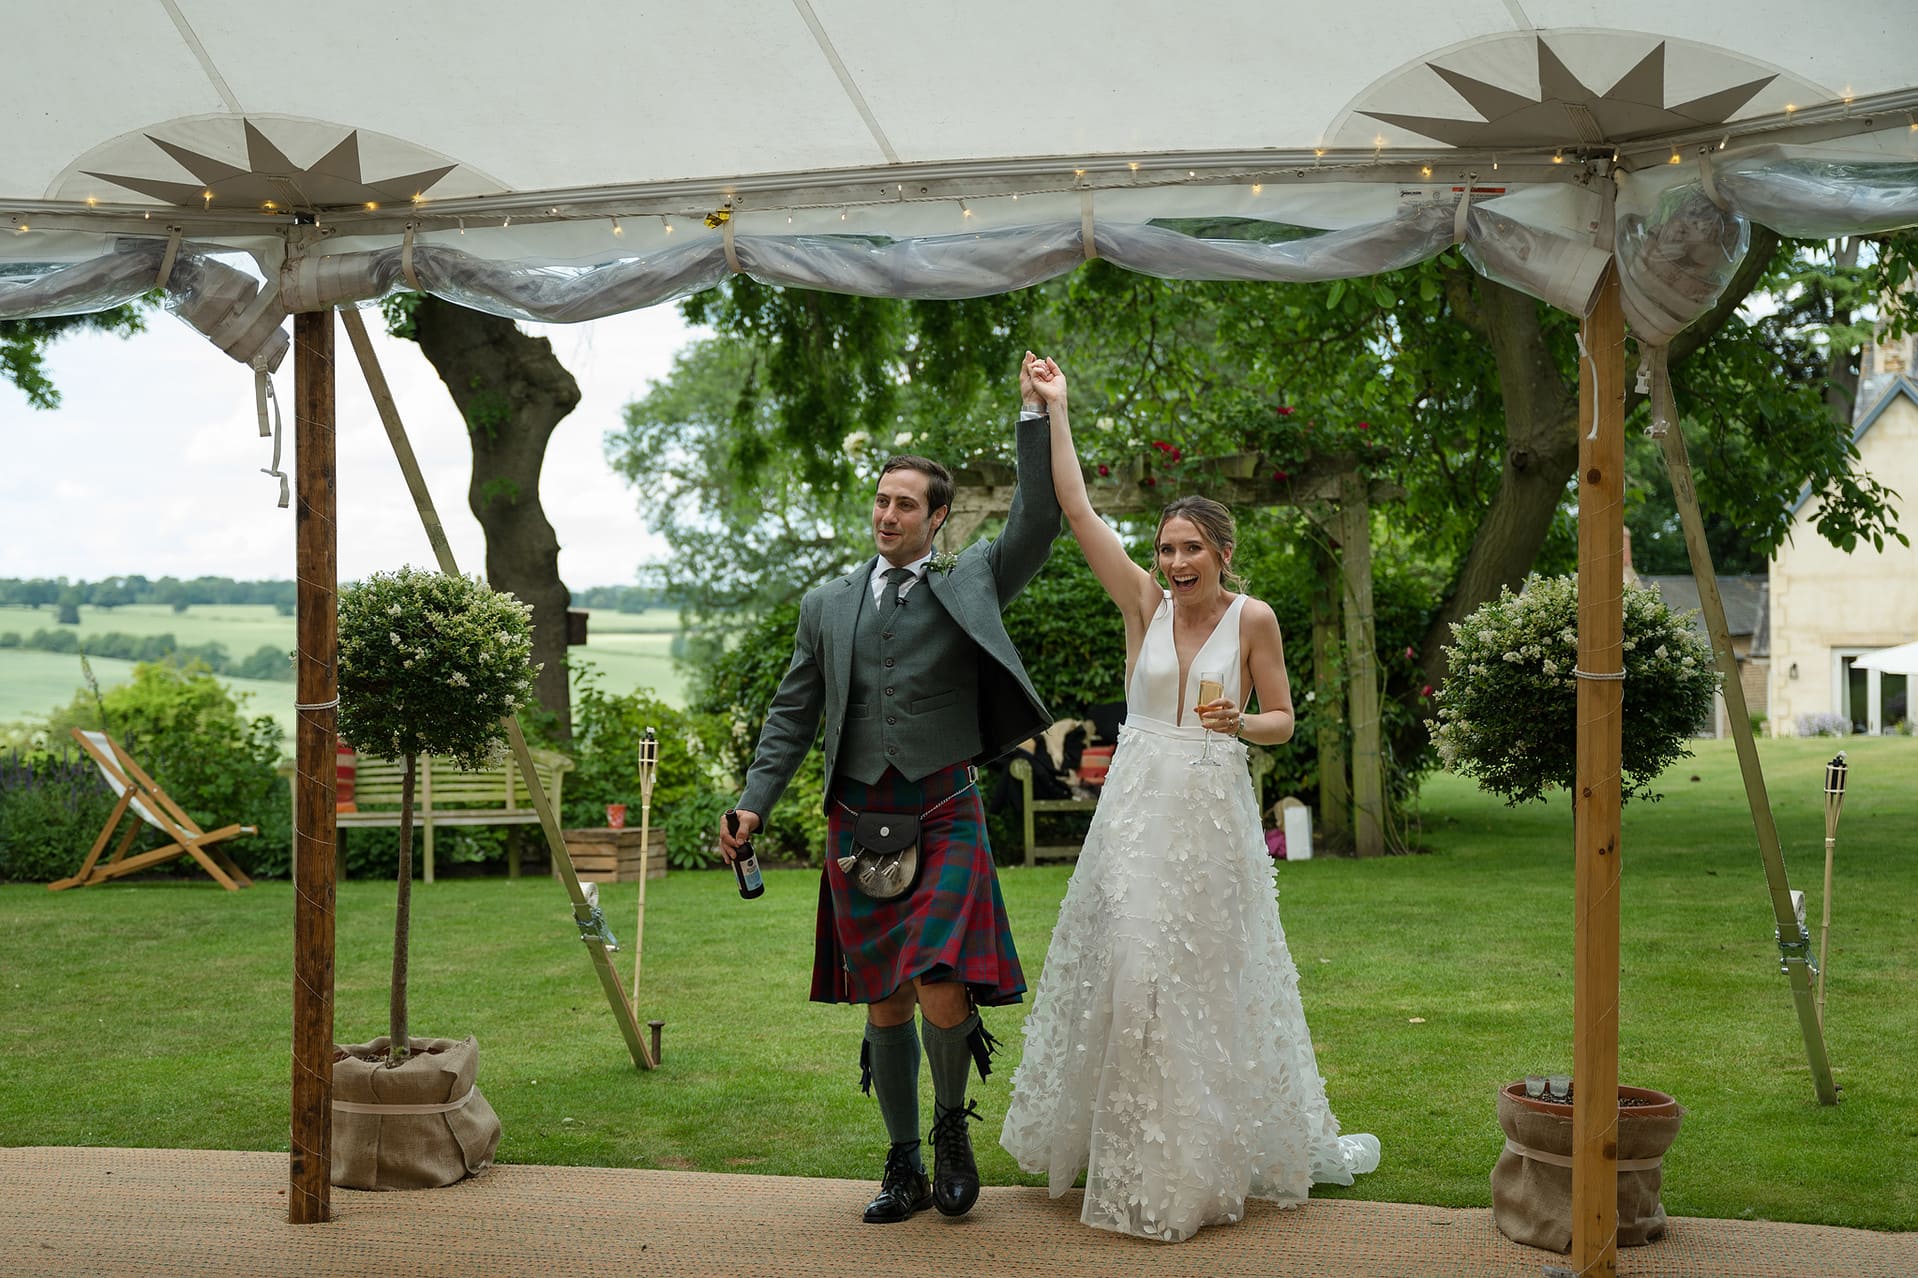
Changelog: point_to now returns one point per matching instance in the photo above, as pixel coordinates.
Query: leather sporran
(885, 856)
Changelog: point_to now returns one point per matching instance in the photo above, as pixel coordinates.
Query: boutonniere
(944, 561)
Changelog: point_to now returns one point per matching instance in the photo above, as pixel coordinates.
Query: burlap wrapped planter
(420, 1125)
(1532, 1180)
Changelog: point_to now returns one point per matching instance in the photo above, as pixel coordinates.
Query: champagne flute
(1211, 688)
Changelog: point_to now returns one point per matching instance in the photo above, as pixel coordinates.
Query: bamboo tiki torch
(648, 767)
(1834, 803)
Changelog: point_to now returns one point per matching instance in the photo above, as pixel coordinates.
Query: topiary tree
(429, 664)
(1508, 710)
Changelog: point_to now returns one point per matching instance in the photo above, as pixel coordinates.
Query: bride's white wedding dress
(1166, 1055)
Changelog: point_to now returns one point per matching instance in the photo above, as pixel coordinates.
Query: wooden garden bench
(446, 795)
(1030, 807)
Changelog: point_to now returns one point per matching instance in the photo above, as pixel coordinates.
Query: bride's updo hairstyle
(1216, 528)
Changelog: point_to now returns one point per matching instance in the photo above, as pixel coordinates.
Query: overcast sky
(151, 464)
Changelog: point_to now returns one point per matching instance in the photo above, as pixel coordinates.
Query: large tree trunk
(512, 392)
(1541, 452)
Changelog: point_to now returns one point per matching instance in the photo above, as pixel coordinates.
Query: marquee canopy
(574, 160)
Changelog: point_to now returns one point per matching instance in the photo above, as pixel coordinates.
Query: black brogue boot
(902, 1191)
(955, 1176)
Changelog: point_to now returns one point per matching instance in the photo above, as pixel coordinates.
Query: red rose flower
(1409, 654)
(1283, 410)
(1104, 469)
(1365, 425)
(1426, 691)
(1280, 476)
(1149, 482)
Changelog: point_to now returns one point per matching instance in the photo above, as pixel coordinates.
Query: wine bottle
(745, 864)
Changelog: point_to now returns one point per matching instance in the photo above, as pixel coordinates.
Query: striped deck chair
(152, 805)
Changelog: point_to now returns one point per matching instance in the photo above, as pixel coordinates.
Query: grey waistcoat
(914, 693)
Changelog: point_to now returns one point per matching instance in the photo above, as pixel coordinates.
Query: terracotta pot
(1532, 1180)
(419, 1125)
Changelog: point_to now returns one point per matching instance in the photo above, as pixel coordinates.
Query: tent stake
(317, 690)
(591, 924)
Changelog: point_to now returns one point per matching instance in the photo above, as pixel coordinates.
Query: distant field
(630, 650)
(33, 683)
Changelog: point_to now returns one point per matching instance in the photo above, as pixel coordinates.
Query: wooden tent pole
(1596, 788)
(1794, 941)
(591, 923)
(317, 694)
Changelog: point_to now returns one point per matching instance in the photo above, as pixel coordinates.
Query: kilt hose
(951, 927)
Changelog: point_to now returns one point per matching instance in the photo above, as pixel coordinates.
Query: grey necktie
(893, 598)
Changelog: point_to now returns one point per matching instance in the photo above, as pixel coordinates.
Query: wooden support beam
(317, 691)
(1596, 788)
(1362, 666)
(1795, 941)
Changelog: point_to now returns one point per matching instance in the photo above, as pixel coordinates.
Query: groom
(907, 661)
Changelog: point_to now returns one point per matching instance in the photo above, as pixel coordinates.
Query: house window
(1873, 701)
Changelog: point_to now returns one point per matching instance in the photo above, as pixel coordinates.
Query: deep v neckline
(1184, 669)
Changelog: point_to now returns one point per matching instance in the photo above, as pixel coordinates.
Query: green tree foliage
(756, 456)
(693, 782)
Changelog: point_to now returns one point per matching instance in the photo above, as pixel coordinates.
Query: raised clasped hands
(1040, 379)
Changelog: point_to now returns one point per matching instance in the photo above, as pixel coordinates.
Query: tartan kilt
(952, 926)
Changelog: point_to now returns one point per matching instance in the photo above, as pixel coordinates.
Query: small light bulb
(269, 206)
(1425, 170)
(1558, 157)
(1133, 165)
(372, 206)
(1257, 187)
(419, 197)
(93, 202)
(1078, 173)
(1674, 159)
(1790, 107)
(617, 228)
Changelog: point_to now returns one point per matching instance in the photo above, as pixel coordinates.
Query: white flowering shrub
(1508, 709)
(430, 664)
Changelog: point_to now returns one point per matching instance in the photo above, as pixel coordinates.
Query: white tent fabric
(1902, 659)
(577, 160)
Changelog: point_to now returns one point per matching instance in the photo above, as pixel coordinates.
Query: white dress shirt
(880, 568)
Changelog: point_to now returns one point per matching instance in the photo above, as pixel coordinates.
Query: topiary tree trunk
(398, 1044)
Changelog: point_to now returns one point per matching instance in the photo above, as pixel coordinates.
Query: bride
(1167, 1055)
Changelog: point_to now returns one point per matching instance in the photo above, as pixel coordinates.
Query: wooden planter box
(612, 856)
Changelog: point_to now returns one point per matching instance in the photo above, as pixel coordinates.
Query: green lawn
(158, 1015)
(631, 651)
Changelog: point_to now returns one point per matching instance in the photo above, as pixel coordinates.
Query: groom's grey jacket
(988, 575)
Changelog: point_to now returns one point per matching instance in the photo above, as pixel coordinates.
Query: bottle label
(749, 871)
